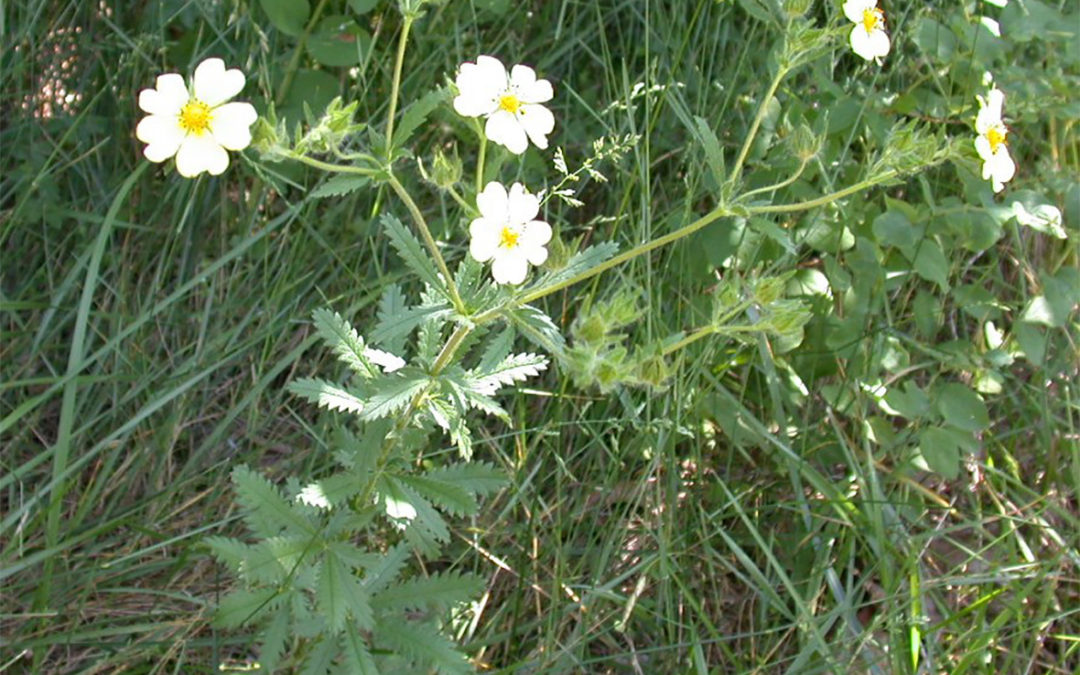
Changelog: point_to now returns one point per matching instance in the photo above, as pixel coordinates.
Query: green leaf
(272, 560)
(339, 186)
(392, 393)
(930, 264)
(941, 451)
(241, 606)
(339, 42)
(416, 113)
(288, 16)
(893, 228)
(962, 407)
(424, 644)
(434, 592)
(514, 368)
(910, 402)
(339, 594)
(346, 342)
(362, 6)
(480, 478)
(393, 329)
(453, 499)
(386, 570)
(391, 306)
(273, 640)
(358, 660)
(318, 660)
(580, 263)
(326, 395)
(265, 510)
(714, 156)
(537, 327)
(229, 552)
(412, 252)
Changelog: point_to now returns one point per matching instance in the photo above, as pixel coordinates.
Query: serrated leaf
(273, 639)
(318, 660)
(358, 659)
(453, 499)
(498, 348)
(272, 560)
(339, 594)
(434, 592)
(537, 327)
(242, 606)
(415, 115)
(344, 340)
(383, 573)
(391, 305)
(229, 552)
(714, 156)
(423, 644)
(339, 186)
(514, 368)
(412, 252)
(477, 477)
(393, 329)
(265, 510)
(326, 395)
(393, 393)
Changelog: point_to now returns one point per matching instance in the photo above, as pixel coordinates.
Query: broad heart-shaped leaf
(412, 252)
(434, 592)
(362, 6)
(265, 511)
(339, 41)
(326, 395)
(930, 263)
(941, 451)
(514, 368)
(961, 407)
(288, 16)
(339, 186)
(423, 643)
(344, 340)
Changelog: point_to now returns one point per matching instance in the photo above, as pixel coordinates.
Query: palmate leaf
(393, 393)
(346, 342)
(537, 327)
(582, 261)
(339, 186)
(273, 560)
(229, 552)
(416, 113)
(435, 592)
(273, 639)
(451, 498)
(422, 643)
(514, 368)
(326, 395)
(357, 656)
(266, 512)
(242, 606)
(480, 478)
(412, 252)
(339, 594)
(383, 573)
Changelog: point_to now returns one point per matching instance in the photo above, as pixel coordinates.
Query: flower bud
(446, 169)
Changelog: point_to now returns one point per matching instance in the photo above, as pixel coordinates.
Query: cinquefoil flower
(510, 103)
(868, 38)
(507, 233)
(196, 125)
(998, 166)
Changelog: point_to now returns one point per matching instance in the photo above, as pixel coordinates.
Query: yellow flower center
(871, 18)
(510, 104)
(195, 117)
(996, 137)
(509, 238)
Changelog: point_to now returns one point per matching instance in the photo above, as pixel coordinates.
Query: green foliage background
(894, 492)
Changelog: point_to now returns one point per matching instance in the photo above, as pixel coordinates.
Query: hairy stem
(396, 84)
(736, 170)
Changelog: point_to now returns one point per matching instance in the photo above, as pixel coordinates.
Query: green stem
(335, 168)
(429, 241)
(736, 170)
(396, 85)
(825, 199)
(480, 161)
(776, 186)
(470, 209)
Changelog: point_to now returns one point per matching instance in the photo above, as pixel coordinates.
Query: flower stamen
(510, 103)
(871, 17)
(996, 138)
(508, 238)
(195, 117)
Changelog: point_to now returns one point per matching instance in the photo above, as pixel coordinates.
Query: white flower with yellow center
(998, 165)
(511, 103)
(507, 233)
(868, 38)
(196, 125)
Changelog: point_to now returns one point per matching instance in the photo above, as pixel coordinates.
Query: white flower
(998, 165)
(507, 234)
(510, 103)
(868, 38)
(196, 125)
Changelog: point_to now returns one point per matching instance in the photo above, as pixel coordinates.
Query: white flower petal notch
(868, 37)
(509, 102)
(991, 144)
(507, 232)
(196, 124)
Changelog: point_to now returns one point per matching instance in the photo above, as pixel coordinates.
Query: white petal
(170, 95)
(982, 146)
(201, 153)
(853, 9)
(214, 85)
(484, 239)
(527, 88)
(510, 269)
(389, 362)
(479, 89)
(523, 206)
(1000, 167)
(230, 125)
(538, 123)
(492, 69)
(504, 129)
(162, 135)
(870, 46)
(536, 235)
(492, 202)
